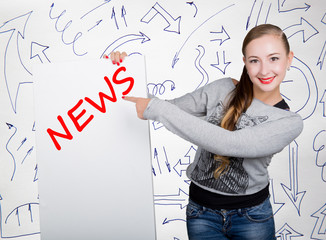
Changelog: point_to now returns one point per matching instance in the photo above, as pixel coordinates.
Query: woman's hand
(117, 57)
(141, 104)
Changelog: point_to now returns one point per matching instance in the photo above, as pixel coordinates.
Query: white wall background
(187, 44)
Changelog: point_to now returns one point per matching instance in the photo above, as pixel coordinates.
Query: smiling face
(267, 60)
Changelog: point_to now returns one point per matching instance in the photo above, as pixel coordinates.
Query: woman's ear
(290, 58)
(244, 59)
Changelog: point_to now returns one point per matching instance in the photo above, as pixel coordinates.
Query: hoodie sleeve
(262, 140)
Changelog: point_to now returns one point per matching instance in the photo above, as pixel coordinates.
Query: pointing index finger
(130, 99)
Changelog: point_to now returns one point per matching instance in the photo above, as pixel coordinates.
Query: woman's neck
(269, 98)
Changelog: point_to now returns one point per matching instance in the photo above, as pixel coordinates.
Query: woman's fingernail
(118, 64)
(123, 97)
(106, 56)
(121, 60)
(113, 62)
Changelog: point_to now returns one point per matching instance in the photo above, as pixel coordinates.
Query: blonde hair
(242, 96)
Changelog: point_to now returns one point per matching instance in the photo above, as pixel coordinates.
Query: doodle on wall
(197, 41)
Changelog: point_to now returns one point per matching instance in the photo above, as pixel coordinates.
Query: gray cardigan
(260, 133)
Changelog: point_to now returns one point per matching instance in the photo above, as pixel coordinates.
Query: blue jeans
(254, 223)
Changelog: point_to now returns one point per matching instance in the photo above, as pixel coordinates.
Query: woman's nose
(264, 69)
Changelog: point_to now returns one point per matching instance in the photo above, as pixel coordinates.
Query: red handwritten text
(76, 118)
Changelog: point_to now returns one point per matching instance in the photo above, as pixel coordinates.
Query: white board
(98, 183)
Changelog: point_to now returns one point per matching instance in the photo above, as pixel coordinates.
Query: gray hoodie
(261, 131)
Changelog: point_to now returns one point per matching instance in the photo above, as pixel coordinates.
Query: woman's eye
(274, 59)
(253, 61)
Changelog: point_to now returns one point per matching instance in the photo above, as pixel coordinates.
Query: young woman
(246, 122)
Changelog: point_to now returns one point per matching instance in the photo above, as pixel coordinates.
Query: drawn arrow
(36, 173)
(123, 40)
(157, 125)
(123, 14)
(181, 166)
(166, 220)
(323, 101)
(179, 199)
(115, 20)
(28, 153)
(192, 4)
(287, 233)
(304, 26)
(282, 8)
(222, 36)
(221, 64)
(38, 50)
(173, 23)
(190, 154)
(176, 56)
(292, 192)
(260, 9)
(97, 23)
(105, 2)
(319, 231)
(310, 104)
(199, 67)
(157, 160)
(10, 126)
(167, 160)
(322, 56)
(15, 28)
(276, 206)
(22, 143)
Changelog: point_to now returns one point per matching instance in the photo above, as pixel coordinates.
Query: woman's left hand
(141, 105)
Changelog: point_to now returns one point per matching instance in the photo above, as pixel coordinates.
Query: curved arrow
(304, 26)
(282, 8)
(123, 40)
(310, 104)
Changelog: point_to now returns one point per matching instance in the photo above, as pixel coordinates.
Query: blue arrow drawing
(323, 101)
(157, 9)
(222, 36)
(292, 6)
(292, 192)
(319, 230)
(276, 206)
(181, 166)
(180, 199)
(38, 50)
(123, 14)
(176, 56)
(123, 40)
(221, 64)
(10, 126)
(260, 10)
(322, 56)
(14, 30)
(193, 4)
(308, 31)
(287, 233)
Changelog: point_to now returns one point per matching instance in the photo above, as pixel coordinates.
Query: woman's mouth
(266, 80)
